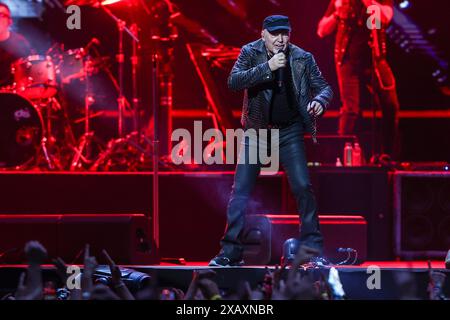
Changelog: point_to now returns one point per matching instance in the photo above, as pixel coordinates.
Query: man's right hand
(277, 61)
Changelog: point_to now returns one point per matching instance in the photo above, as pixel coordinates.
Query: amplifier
(126, 237)
(265, 234)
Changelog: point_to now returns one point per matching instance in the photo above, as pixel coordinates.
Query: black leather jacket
(251, 73)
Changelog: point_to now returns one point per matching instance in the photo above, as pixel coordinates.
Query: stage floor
(355, 279)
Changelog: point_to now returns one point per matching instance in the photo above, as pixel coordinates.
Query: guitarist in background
(360, 58)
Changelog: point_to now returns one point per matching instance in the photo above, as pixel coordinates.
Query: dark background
(416, 87)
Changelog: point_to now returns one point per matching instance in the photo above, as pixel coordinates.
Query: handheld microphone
(280, 73)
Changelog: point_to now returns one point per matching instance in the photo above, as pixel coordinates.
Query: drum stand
(135, 140)
(120, 57)
(44, 150)
(86, 139)
(48, 140)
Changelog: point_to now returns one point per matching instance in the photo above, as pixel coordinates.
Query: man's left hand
(314, 108)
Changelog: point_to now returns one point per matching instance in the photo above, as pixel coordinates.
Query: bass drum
(21, 130)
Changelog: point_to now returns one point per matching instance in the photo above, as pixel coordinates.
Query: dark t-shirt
(358, 50)
(15, 47)
(283, 108)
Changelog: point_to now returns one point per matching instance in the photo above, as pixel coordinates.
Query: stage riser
(124, 236)
(193, 205)
(264, 237)
(358, 191)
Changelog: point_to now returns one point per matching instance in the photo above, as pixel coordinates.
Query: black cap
(276, 22)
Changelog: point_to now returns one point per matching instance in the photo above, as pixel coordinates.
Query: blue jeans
(292, 158)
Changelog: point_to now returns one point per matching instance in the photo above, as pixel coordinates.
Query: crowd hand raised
(117, 281)
(197, 275)
(102, 292)
(245, 292)
(279, 291)
(208, 288)
(257, 294)
(171, 294)
(179, 294)
(269, 281)
(115, 270)
(90, 263)
(296, 286)
(206, 274)
(436, 285)
(301, 288)
(61, 269)
(35, 253)
(27, 292)
(277, 274)
(277, 61)
(193, 286)
(206, 284)
(323, 289)
(314, 108)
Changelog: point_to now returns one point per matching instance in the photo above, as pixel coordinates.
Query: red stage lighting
(107, 2)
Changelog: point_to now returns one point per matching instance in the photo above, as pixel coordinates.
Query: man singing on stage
(284, 90)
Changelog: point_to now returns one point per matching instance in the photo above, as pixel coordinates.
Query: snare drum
(35, 77)
(21, 130)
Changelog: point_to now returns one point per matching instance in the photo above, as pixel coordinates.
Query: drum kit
(36, 123)
(38, 127)
(34, 129)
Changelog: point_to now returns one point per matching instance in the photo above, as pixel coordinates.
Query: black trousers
(293, 159)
